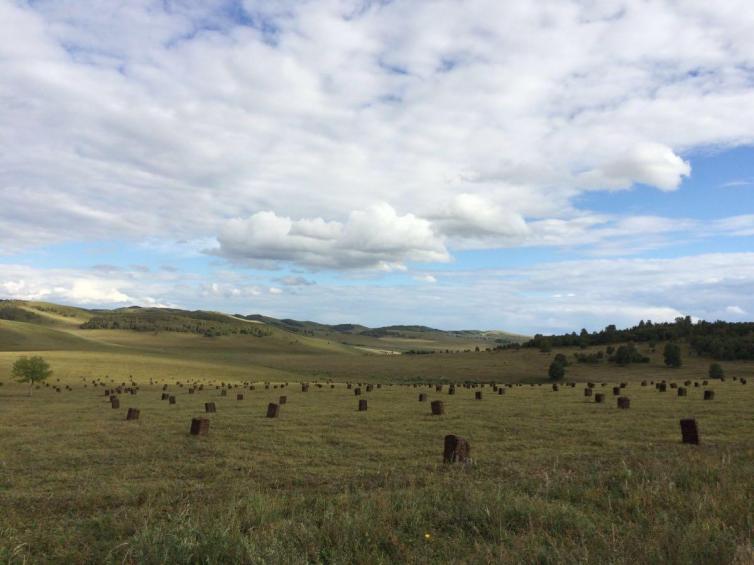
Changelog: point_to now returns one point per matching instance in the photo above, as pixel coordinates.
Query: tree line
(719, 340)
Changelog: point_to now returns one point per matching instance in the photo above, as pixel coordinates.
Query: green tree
(31, 370)
(716, 371)
(672, 355)
(556, 371)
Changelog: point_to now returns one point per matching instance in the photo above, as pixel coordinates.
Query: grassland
(555, 478)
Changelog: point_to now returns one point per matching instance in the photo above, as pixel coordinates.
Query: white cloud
(426, 278)
(552, 297)
(648, 163)
(374, 238)
(158, 121)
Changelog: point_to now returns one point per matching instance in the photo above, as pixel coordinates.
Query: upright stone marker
(273, 410)
(438, 408)
(199, 426)
(689, 431)
(456, 450)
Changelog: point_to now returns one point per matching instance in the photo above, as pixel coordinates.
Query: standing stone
(133, 414)
(363, 405)
(165, 396)
(114, 402)
(171, 399)
(624, 402)
(709, 394)
(681, 391)
(599, 398)
(452, 390)
(283, 400)
(478, 395)
(438, 388)
(587, 392)
(438, 408)
(210, 407)
(422, 397)
(555, 388)
(273, 410)
(456, 450)
(370, 388)
(501, 391)
(661, 387)
(199, 426)
(304, 387)
(357, 391)
(616, 391)
(689, 431)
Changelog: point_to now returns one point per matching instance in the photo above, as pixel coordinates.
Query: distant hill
(404, 332)
(356, 337)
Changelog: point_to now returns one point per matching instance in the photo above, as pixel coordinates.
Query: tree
(672, 355)
(556, 371)
(31, 370)
(716, 371)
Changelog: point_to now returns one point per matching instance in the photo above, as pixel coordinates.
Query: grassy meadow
(555, 477)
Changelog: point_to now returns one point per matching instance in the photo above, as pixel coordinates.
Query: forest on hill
(721, 340)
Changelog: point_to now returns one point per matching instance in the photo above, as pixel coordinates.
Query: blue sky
(523, 166)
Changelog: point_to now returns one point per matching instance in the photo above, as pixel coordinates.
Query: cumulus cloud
(653, 164)
(66, 286)
(481, 117)
(472, 216)
(376, 237)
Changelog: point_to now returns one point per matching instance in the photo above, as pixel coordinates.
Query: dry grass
(556, 479)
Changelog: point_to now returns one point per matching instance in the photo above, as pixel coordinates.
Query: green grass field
(556, 478)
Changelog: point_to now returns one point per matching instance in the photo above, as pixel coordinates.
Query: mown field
(555, 477)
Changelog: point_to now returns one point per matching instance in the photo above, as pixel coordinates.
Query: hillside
(201, 344)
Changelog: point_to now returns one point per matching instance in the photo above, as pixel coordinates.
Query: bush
(716, 371)
(627, 354)
(672, 355)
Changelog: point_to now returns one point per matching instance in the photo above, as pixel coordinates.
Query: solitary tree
(557, 370)
(716, 371)
(672, 355)
(31, 370)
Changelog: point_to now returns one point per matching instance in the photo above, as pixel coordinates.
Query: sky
(534, 167)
